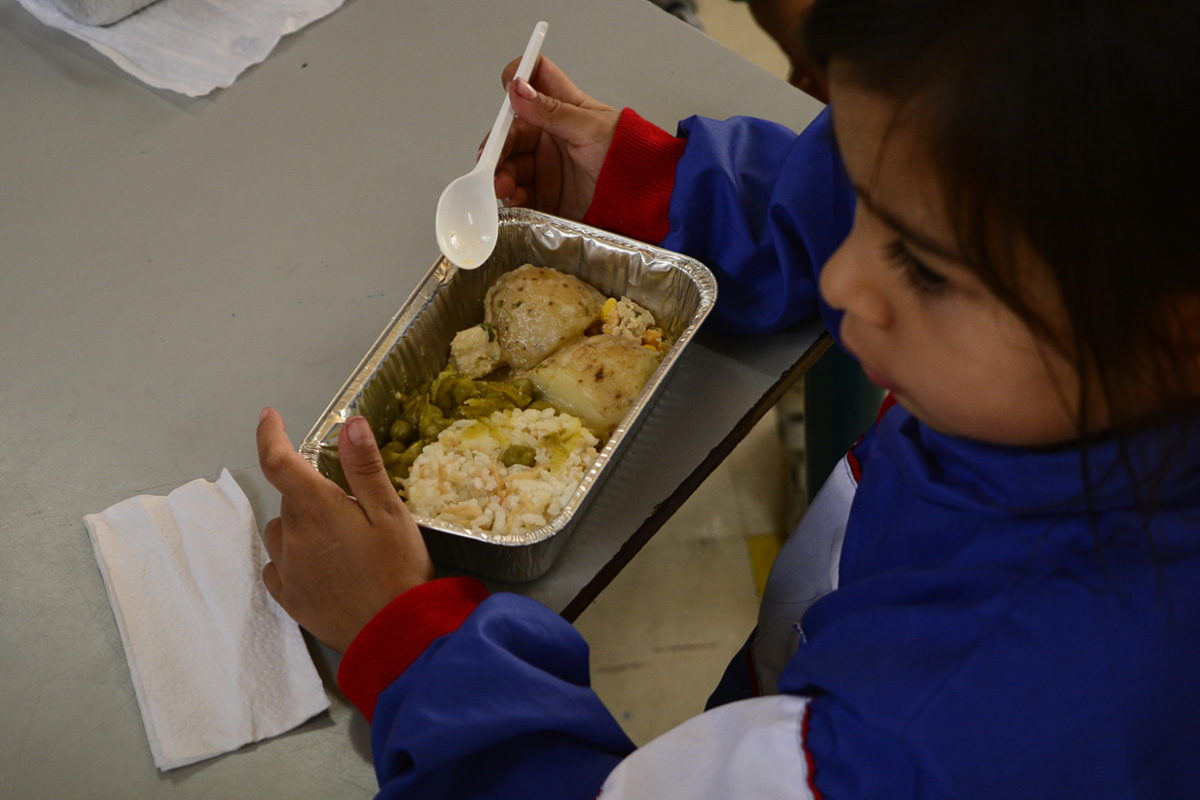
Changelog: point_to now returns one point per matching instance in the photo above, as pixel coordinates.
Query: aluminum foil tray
(415, 346)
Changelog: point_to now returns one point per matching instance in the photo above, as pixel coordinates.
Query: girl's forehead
(886, 153)
(873, 132)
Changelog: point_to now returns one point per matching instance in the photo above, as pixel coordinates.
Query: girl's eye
(916, 273)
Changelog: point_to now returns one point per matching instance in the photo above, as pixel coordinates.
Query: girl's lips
(872, 376)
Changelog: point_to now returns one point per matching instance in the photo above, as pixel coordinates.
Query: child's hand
(558, 142)
(336, 560)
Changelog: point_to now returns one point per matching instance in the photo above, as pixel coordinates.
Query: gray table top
(170, 265)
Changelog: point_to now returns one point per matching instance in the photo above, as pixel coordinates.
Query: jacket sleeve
(500, 707)
(762, 207)
(497, 706)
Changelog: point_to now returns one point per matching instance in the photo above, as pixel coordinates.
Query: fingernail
(525, 89)
(359, 431)
(263, 414)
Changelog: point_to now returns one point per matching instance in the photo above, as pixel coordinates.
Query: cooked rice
(626, 318)
(460, 478)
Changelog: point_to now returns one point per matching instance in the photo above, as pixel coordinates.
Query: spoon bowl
(468, 220)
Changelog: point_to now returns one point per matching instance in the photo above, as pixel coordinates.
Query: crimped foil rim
(553, 231)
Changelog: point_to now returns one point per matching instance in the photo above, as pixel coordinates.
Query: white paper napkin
(99, 12)
(191, 46)
(216, 663)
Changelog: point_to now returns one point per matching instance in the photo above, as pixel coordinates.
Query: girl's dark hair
(1071, 123)
(1074, 123)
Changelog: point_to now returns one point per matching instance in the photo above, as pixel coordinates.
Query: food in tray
(535, 310)
(475, 351)
(596, 378)
(500, 439)
(451, 396)
(507, 474)
(586, 354)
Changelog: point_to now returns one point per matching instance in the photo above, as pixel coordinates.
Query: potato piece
(535, 310)
(597, 379)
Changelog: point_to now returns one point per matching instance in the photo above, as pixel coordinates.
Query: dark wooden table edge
(664, 510)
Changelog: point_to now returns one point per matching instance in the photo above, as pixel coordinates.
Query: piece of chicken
(597, 379)
(626, 318)
(474, 351)
(535, 310)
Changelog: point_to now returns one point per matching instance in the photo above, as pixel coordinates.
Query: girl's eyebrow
(907, 231)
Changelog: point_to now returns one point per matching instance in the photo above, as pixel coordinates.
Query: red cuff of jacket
(399, 633)
(633, 192)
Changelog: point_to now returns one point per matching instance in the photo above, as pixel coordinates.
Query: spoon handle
(495, 141)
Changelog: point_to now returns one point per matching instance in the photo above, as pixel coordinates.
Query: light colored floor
(663, 631)
(730, 23)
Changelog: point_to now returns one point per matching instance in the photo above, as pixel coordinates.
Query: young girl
(997, 593)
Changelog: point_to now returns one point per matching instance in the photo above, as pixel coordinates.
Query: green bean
(436, 404)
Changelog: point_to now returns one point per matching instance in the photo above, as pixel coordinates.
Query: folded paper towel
(216, 663)
(190, 46)
(99, 12)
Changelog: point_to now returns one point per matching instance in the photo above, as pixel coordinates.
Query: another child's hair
(1072, 123)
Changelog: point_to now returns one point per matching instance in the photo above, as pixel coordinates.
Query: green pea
(391, 452)
(402, 431)
(516, 454)
(525, 387)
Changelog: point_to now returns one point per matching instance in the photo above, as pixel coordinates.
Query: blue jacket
(986, 626)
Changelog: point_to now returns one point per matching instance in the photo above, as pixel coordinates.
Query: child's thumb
(364, 470)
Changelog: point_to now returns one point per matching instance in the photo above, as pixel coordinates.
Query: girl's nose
(849, 283)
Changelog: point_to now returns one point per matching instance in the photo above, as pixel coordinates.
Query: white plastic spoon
(468, 220)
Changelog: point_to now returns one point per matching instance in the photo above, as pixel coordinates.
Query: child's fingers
(273, 538)
(547, 112)
(282, 466)
(549, 79)
(365, 474)
(583, 126)
(273, 541)
(270, 579)
(518, 198)
(515, 171)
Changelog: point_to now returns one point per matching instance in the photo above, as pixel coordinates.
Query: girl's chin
(880, 381)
